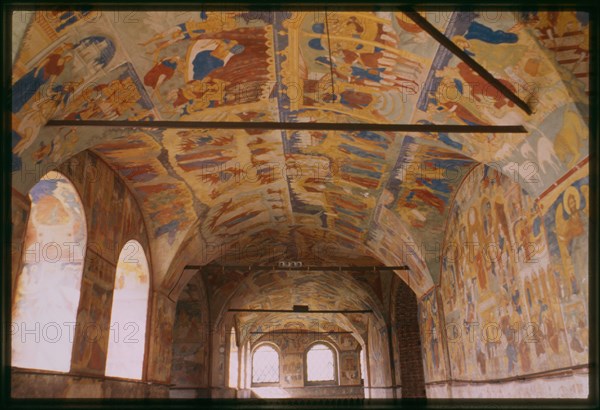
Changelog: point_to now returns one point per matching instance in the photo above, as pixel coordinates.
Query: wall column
(161, 338)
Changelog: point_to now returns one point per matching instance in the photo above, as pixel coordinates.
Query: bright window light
(320, 364)
(46, 299)
(128, 318)
(233, 361)
(265, 365)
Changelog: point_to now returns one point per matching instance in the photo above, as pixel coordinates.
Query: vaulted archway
(297, 161)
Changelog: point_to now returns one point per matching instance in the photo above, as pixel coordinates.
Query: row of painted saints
(521, 303)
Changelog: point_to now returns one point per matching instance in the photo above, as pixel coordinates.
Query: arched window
(46, 299)
(233, 360)
(265, 365)
(321, 366)
(127, 340)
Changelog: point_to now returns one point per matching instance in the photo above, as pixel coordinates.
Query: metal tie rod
(305, 126)
(299, 268)
(296, 312)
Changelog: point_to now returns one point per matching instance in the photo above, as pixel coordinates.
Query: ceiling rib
(305, 126)
(458, 52)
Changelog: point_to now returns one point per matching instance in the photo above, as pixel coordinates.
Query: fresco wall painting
(160, 343)
(190, 337)
(432, 334)
(516, 300)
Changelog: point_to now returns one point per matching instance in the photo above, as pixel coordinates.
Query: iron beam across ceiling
(296, 312)
(299, 268)
(301, 126)
(474, 65)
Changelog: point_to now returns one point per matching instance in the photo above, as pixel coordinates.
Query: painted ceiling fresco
(281, 290)
(322, 197)
(365, 294)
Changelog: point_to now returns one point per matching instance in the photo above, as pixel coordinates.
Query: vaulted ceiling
(323, 197)
(258, 302)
